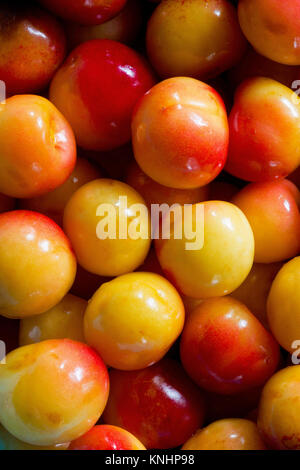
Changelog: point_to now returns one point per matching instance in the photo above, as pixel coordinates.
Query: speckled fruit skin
(32, 47)
(89, 12)
(133, 320)
(255, 289)
(194, 38)
(225, 349)
(106, 437)
(283, 305)
(105, 257)
(272, 27)
(159, 405)
(227, 434)
(264, 128)
(273, 214)
(180, 133)
(64, 320)
(37, 146)
(253, 64)
(54, 202)
(223, 262)
(155, 193)
(52, 392)
(37, 264)
(123, 28)
(278, 417)
(97, 88)
(9, 442)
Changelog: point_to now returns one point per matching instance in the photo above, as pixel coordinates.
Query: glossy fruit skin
(195, 39)
(37, 146)
(155, 193)
(227, 434)
(105, 257)
(106, 437)
(283, 305)
(83, 12)
(150, 403)
(293, 188)
(274, 217)
(97, 88)
(9, 442)
(53, 203)
(133, 320)
(180, 133)
(264, 128)
(37, 264)
(64, 320)
(253, 64)
(255, 289)
(124, 27)
(33, 46)
(272, 28)
(225, 349)
(54, 391)
(211, 271)
(278, 416)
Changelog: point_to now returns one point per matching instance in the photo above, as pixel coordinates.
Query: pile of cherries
(126, 343)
